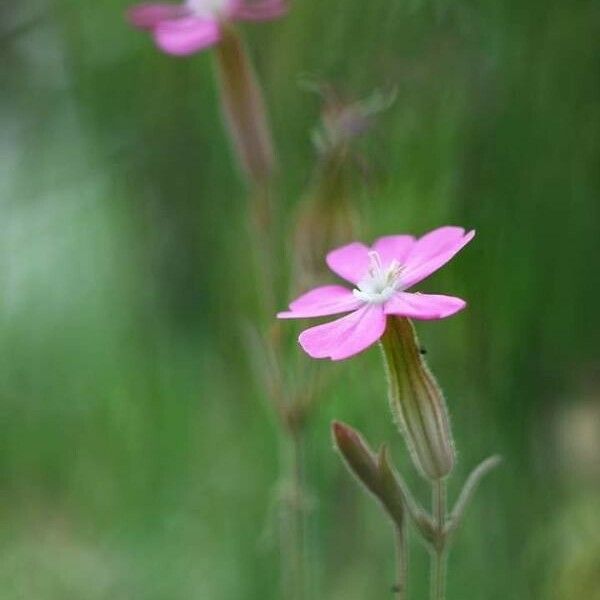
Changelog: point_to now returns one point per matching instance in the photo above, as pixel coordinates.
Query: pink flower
(381, 275)
(196, 24)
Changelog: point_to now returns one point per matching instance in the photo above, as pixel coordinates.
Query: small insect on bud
(417, 401)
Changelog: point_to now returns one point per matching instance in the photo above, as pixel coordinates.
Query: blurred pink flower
(381, 274)
(183, 29)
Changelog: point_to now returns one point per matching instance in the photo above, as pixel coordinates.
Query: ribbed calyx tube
(327, 217)
(417, 401)
(243, 107)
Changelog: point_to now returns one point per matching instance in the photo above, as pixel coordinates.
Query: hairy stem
(438, 555)
(293, 519)
(438, 581)
(264, 242)
(247, 122)
(401, 562)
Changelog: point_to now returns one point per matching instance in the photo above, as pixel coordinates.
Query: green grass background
(138, 459)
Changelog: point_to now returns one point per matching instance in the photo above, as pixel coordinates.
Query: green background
(138, 458)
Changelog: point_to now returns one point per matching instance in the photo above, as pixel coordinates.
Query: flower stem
(293, 519)
(439, 555)
(401, 562)
(264, 244)
(438, 581)
(246, 117)
(299, 513)
(247, 123)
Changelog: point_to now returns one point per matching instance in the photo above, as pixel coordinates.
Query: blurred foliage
(137, 458)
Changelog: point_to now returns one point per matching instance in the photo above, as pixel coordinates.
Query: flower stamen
(380, 283)
(206, 8)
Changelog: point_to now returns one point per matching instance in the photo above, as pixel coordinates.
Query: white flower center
(379, 284)
(207, 8)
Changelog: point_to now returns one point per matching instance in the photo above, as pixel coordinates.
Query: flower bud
(343, 119)
(417, 401)
(327, 217)
(243, 107)
(373, 471)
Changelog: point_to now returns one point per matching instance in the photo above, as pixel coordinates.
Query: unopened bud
(417, 401)
(372, 470)
(327, 217)
(243, 107)
(329, 214)
(344, 119)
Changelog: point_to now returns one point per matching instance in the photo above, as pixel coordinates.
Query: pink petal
(423, 306)
(322, 301)
(393, 247)
(347, 336)
(258, 10)
(350, 262)
(186, 35)
(433, 251)
(148, 16)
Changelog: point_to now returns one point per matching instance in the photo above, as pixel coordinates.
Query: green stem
(293, 519)
(264, 243)
(438, 582)
(439, 555)
(247, 121)
(401, 562)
